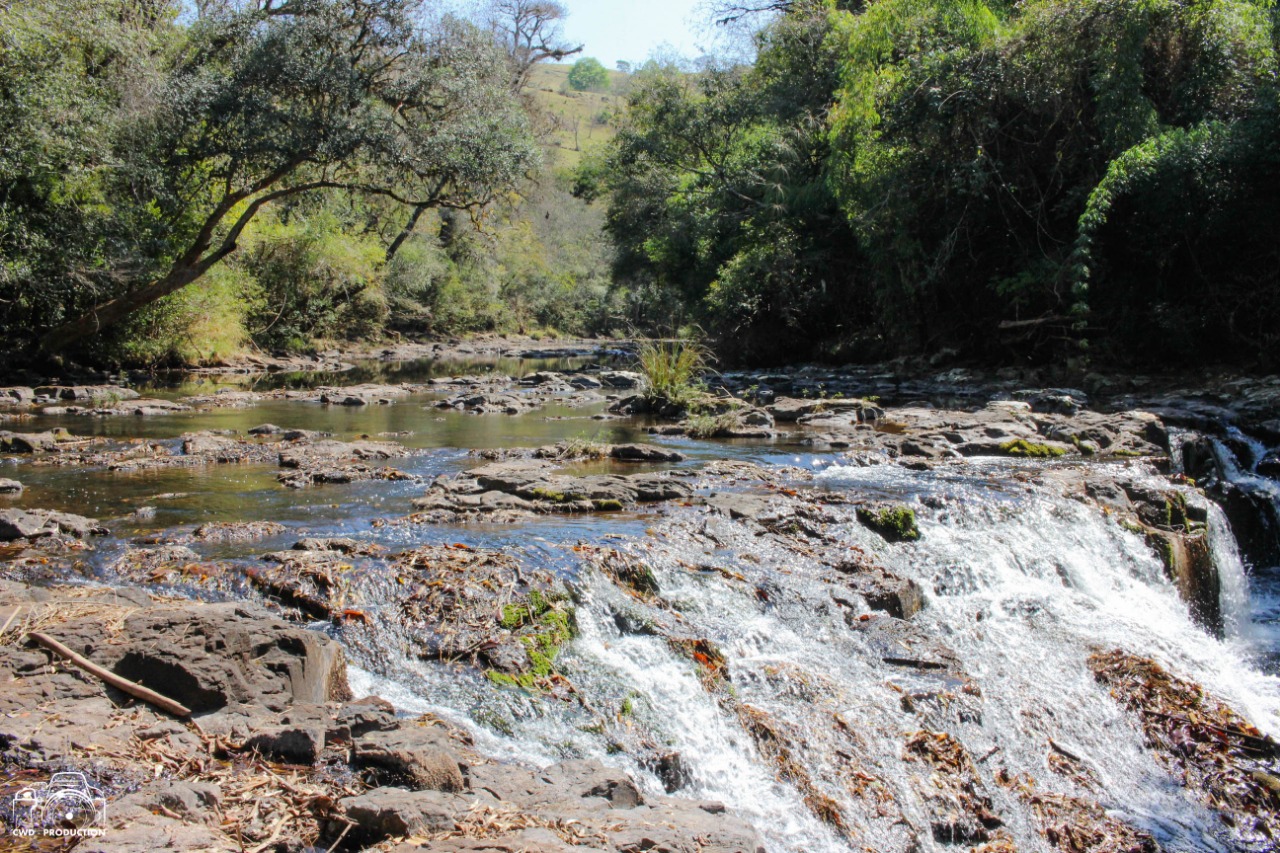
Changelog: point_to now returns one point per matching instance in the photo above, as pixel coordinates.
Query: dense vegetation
(174, 186)
(1008, 181)
(1036, 179)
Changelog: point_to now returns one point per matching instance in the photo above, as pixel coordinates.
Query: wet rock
(144, 408)
(239, 531)
(643, 453)
(622, 379)
(160, 564)
(481, 607)
(90, 393)
(363, 395)
(40, 523)
(266, 429)
(340, 545)
(340, 474)
(894, 522)
(490, 403)
(54, 441)
(10, 488)
(960, 809)
(527, 486)
(790, 409)
(218, 447)
(901, 598)
(16, 394)
(330, 453)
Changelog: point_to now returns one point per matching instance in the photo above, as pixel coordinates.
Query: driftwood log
(134, 689)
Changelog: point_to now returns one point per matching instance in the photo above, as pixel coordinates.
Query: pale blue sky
(632, 29)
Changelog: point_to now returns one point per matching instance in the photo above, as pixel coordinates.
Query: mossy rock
(1031, 450)
(893, 523)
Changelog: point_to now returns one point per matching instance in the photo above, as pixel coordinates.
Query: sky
(630, 30)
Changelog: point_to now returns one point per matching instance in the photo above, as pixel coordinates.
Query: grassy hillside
(583, 119)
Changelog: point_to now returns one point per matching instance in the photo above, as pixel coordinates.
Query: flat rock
(420, 756)
(11, 488)
(213, 655)
(643, 453)
(388, 811)
(90, 393)
(40, 523)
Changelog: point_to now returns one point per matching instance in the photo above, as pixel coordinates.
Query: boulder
(643, 453)
(89, 393)
(387, 811)
(11, 488)
(417, 755)
(40, 523)
(622, 379)
(15, 394)
(884, 591)
(213, 655)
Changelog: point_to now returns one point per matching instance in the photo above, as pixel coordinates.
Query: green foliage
(145, 148)
(1012, 180)
(673, 371)
(588, 74)
(894, 523)
(1031, 449)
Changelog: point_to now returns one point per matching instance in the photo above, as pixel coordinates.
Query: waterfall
(1022, 585)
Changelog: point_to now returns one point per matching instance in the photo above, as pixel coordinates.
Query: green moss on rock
(1031, 450)
(894, 523)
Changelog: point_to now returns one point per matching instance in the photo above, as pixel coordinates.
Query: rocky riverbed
(527, 609)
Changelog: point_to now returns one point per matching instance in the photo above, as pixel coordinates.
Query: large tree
(266, 100)
(531, 31)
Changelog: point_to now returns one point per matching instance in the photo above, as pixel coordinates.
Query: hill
(583, 120)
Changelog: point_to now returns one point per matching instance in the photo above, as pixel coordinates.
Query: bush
(672, 371)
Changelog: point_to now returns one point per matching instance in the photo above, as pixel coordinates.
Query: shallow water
(1021, 584)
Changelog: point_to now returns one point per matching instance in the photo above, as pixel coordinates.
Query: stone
(213, 655)
(198, 801)
(40, 523)
(294, 743)
(16, 394)
(643, 453)
(333, 452)
(414, 754)
(589, 778)
(10, 488)
(622, 379)
(884, 591)
(388, 811)
(89, 393)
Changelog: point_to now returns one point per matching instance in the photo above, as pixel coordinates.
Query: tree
(587, 73)
(531, 32)
(623, 66)
(269, 101)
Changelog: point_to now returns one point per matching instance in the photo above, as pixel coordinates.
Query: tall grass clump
(673, 371)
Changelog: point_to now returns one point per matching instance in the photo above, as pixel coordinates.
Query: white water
(1022, 585)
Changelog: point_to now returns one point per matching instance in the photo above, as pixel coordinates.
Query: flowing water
(1021, 584)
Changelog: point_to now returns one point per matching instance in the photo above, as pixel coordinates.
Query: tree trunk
(109, 313)
(418, 210)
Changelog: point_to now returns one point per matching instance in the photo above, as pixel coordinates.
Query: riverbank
(901, 613)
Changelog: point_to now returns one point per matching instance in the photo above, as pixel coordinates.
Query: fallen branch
(123, 684)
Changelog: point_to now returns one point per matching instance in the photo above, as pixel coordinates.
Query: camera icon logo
(67, 805)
